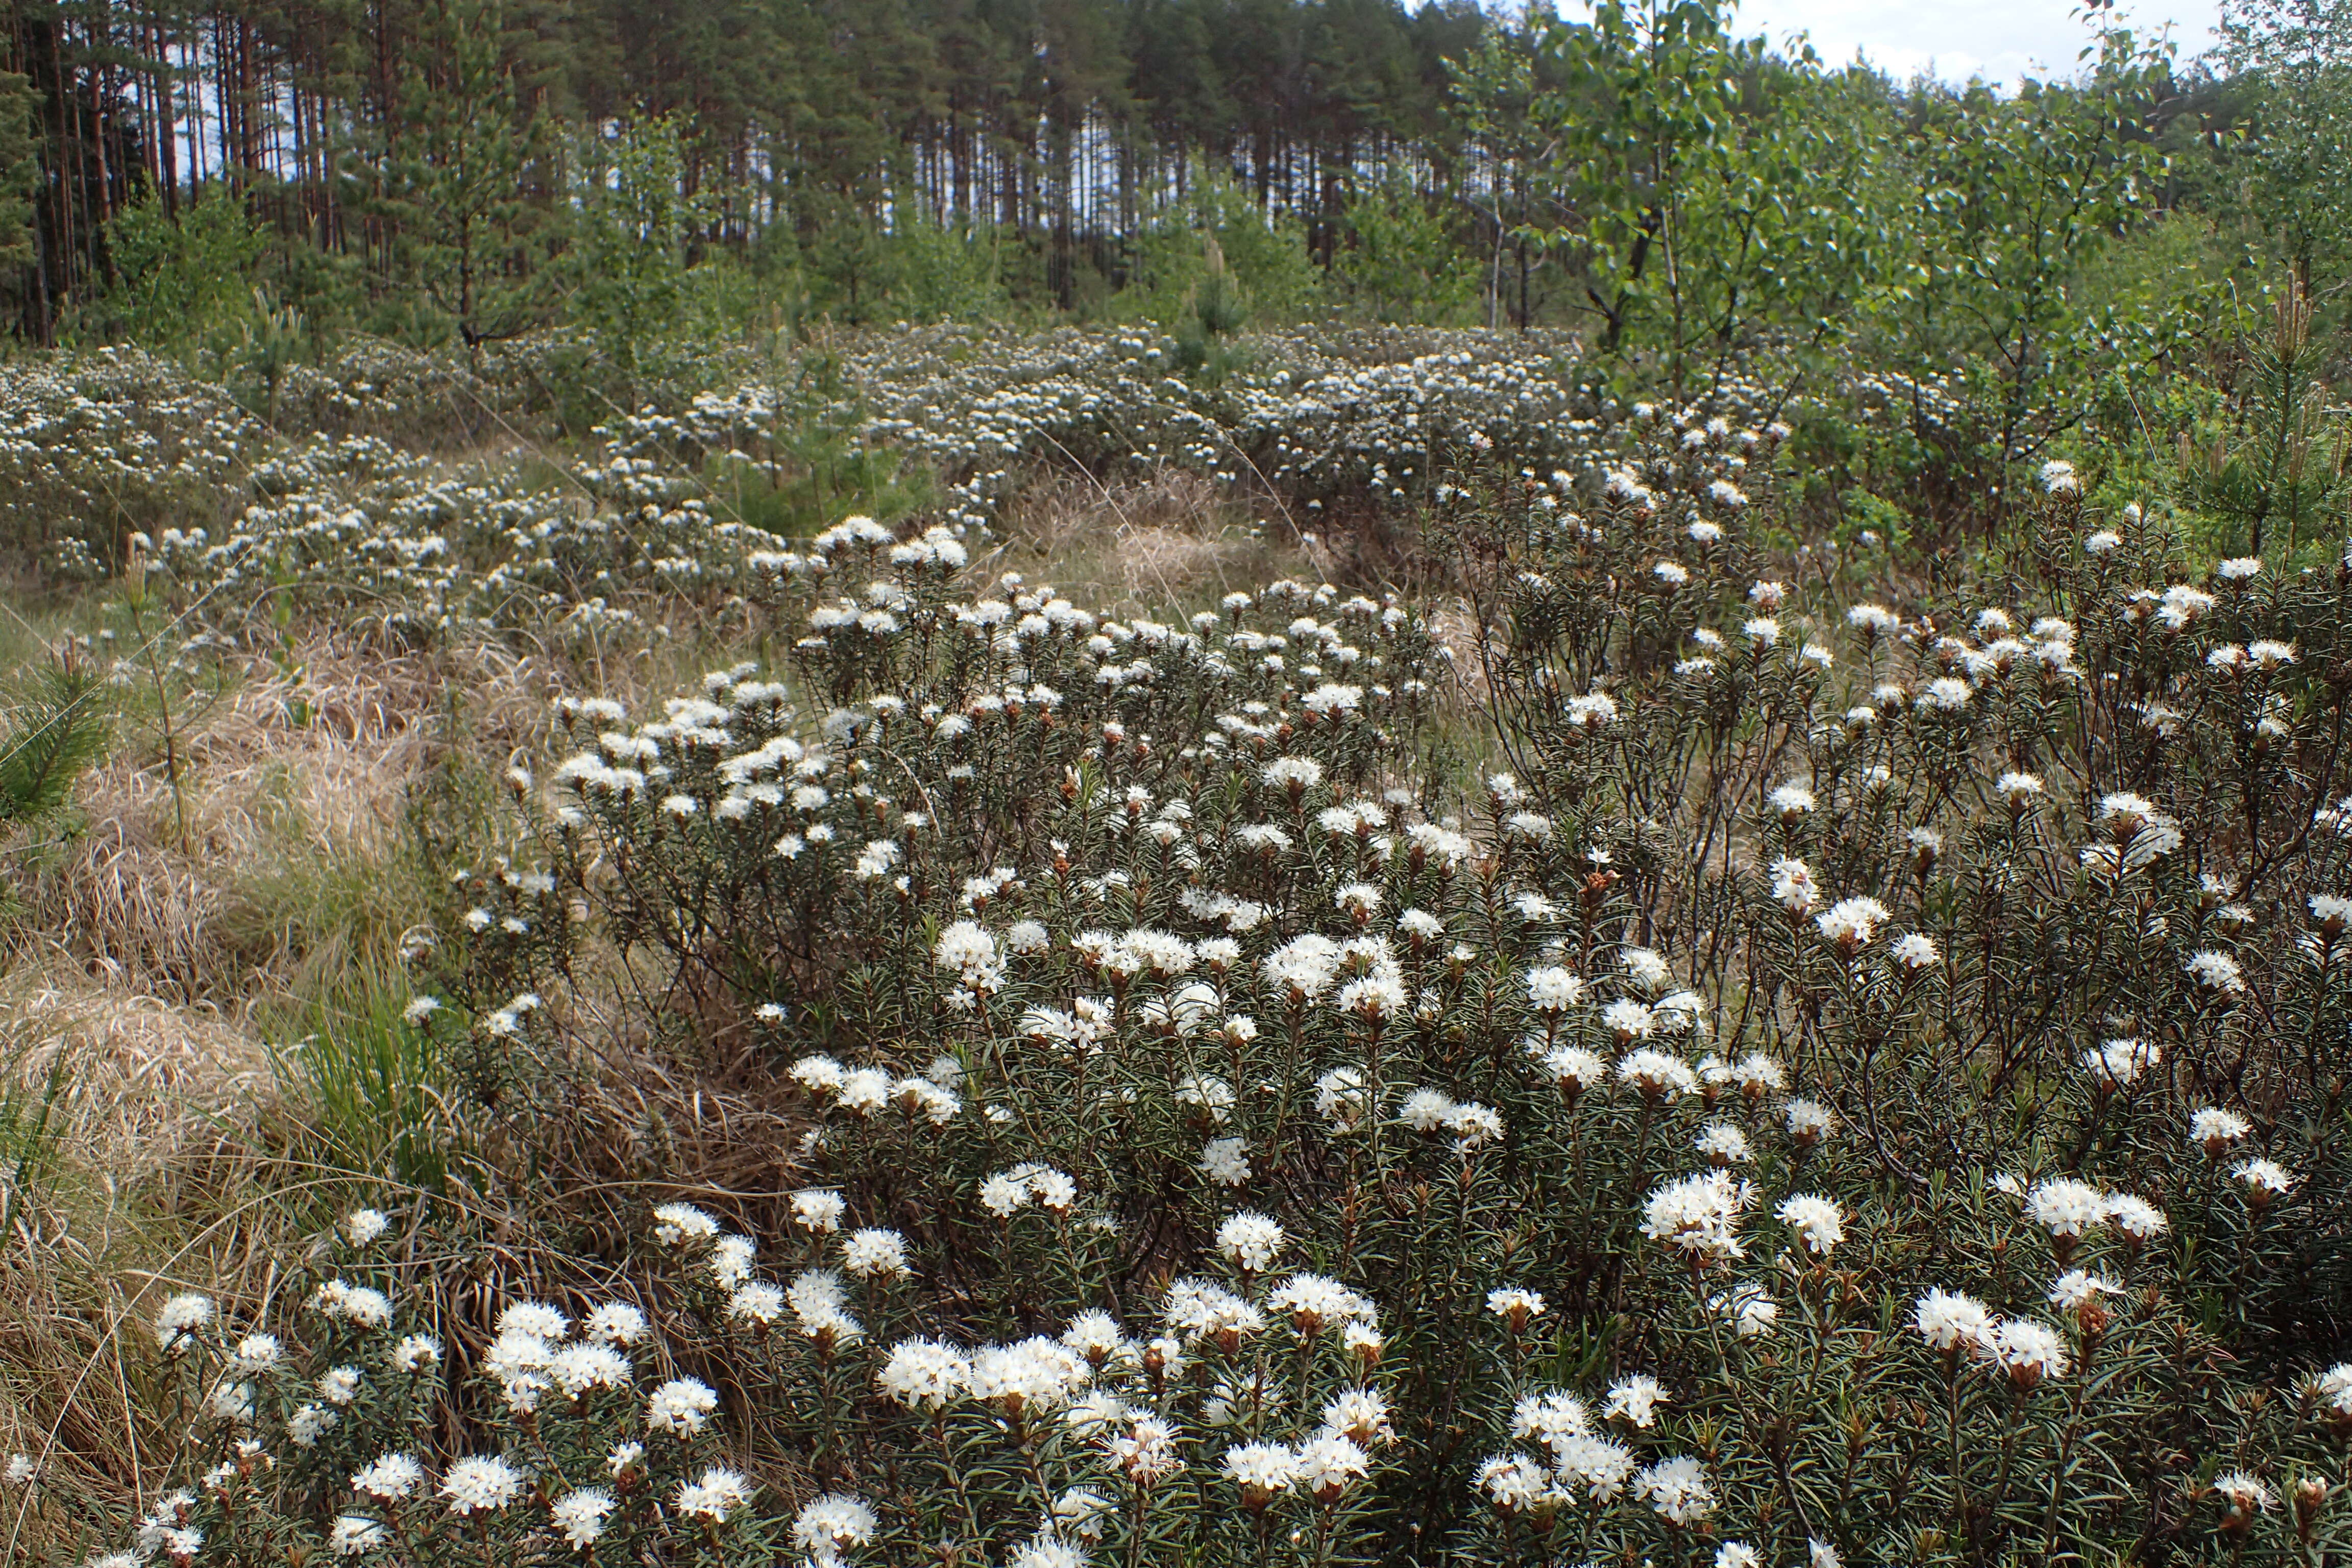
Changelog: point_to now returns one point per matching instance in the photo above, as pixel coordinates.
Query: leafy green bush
(186, 280)
(1401, 264)
(1218, 227)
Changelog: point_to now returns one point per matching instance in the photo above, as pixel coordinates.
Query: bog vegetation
(1587, 806)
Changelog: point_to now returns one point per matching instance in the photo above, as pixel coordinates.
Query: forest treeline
(467, 170)
(811, 124)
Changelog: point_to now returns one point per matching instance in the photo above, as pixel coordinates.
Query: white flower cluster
(566, 1386)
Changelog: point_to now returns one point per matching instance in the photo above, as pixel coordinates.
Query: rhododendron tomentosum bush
(116, 453)
(773, 857)
(1852, 1074)
(325, 1436)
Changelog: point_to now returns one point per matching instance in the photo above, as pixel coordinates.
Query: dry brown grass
(1454, 624)
(1172, 542)
(150, 1182)
(144, 1066)
(280, 850)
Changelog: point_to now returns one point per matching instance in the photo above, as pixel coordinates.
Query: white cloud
(1997, 39)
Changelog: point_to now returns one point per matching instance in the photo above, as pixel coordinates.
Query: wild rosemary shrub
(1857, 1077)
(315, 1440)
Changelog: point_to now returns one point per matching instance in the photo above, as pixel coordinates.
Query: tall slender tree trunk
(167, 126)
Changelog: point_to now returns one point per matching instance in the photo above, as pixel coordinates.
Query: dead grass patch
(1170, 543)
(294, 790)
(146, 1183)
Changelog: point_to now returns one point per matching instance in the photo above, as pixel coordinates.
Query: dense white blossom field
(598, 1004)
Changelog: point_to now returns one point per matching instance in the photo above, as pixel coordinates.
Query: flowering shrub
(1320, 416)
(1853, 1088)
(352, 515)
(358, 525)
(119, 455)
(330, 1440)
(1855, 1074)
(92, 448)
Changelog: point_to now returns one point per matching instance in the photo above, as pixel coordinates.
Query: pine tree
(468, 172)
(20, 168)
(2278, 472)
